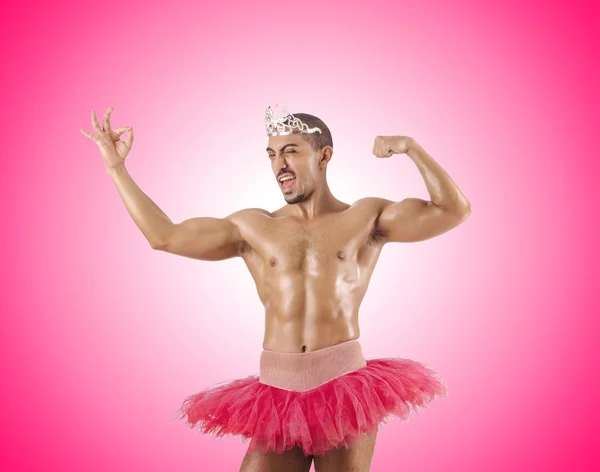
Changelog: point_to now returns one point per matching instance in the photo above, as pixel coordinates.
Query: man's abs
(303, 315)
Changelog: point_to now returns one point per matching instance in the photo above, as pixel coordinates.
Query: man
(316, 397)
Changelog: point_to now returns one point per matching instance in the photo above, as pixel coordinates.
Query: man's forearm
(148, 217)
(443, 192)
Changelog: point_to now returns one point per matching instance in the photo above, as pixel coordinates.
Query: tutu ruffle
(329, 416)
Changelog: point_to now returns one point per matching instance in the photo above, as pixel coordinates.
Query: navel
(273, 261)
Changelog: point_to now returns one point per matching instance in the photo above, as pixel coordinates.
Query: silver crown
(292, 125)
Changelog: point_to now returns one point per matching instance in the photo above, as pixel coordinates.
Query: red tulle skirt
(332, 415)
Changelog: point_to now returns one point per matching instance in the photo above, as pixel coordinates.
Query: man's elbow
(460, 213)
(158, 245)
(466, 211)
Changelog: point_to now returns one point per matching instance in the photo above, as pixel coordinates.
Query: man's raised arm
(204, 238)
(208, 239)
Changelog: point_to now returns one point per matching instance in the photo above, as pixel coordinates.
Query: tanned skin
(311, 259)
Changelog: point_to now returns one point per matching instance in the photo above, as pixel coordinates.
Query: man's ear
(327, 154)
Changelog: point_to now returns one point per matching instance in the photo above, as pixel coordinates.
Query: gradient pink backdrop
(102, 337)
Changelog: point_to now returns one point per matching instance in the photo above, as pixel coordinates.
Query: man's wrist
(413, 147)
(116, 170)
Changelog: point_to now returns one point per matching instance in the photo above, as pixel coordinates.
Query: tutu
(331, 415)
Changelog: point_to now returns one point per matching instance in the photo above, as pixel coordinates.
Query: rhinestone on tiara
(277, 127)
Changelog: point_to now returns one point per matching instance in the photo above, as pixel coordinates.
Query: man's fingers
(87, 133)
(95, 123)
(106, 120)
(120, 131)
(129, 140)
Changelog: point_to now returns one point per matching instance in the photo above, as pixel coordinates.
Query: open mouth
(287, 184)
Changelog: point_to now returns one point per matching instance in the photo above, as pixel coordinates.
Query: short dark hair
(317, 140)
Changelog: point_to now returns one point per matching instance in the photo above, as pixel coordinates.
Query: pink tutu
(331, 415)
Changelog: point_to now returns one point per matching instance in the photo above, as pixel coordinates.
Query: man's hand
(113, 150)
(385, 146)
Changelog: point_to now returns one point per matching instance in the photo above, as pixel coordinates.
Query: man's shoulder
(250, 211)
(376, 204)
(246, 213)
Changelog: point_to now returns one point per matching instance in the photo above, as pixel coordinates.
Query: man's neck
(321, 202)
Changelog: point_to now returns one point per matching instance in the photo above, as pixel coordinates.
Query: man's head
(302, 156)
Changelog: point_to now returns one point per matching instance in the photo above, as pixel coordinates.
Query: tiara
(293, 125)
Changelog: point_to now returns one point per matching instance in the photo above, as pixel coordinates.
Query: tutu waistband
(300, 372)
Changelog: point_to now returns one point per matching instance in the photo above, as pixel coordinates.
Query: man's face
(293, 156)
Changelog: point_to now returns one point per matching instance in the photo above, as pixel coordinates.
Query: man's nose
(281, 162)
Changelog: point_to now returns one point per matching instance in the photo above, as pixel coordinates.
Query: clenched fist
(385, 146)
(113, 150)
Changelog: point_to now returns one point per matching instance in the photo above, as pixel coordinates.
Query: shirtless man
(311, 260)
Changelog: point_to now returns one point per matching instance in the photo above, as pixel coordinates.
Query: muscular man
(316, 397)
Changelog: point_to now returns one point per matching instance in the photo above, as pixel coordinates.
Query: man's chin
(291, 199)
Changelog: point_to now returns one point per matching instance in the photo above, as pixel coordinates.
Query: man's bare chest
(292, 244)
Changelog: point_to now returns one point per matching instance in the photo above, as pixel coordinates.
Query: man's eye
(271, 156)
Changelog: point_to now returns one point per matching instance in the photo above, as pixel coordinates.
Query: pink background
(101, 337)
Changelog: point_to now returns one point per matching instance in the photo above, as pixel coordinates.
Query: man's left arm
(414, 219)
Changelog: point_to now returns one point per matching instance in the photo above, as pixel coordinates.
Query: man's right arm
(204, 238)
